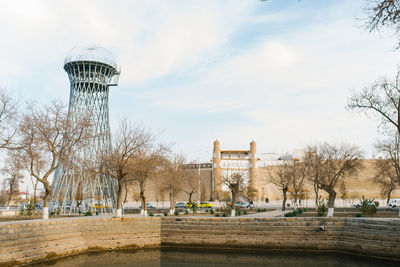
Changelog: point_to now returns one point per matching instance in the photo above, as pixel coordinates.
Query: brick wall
(27, 241)
(363, 236)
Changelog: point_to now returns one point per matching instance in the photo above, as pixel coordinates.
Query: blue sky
(278, 72)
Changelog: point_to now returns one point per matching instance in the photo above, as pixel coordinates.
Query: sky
(277, 72)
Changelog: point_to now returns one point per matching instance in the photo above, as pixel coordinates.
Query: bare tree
(144, 167)
(381, 99)
(47, 139)
(13, 171)
(236, 183)
(338, 163)
(298, 172)
(280, 176)
(191, 183)
(174, 173)
(8, 119)
(388, 168)
(383, 14)
(314, 170)
(129, 142)
(386, 178)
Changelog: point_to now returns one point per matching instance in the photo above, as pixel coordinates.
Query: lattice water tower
(91, 71)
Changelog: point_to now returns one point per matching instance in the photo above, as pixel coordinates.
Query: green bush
(258, 210)
(186, 212)
(305, 209)
(211, 211)
(165, 213)
(264, 209)
(358, 215)
(295, 212)
(176, 213)
(245, 212)
(217, 215)
(322, 208)
(52, 213)
(300, 210)
(238, 213)
(289, 214)
(151, 214)
(88, 213)
(206, 210)
(368, 206)
(224, 215)
(21, 212)
(217, 209)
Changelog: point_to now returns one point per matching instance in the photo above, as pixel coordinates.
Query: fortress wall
(28, 241)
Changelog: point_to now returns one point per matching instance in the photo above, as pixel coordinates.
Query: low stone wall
(27, 241)
(362, 236)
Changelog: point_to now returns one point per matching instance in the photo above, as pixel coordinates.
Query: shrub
(300, 210)
(322, 208)
(238, 213)
(264, 209)
(176, 213)
(305, 209)
(358, 215)
(224, 215)
(186, 212)
(217, 209)
(21, 212)
(206, 210)
(151, 214)
(88, 213)
(211, 211)
(53, 213)
(289, 214)
(165, 213)
(368, 207)
(295, 212)
(217, 215)
(245, 212)
(258, 210)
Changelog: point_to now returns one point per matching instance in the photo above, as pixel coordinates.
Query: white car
(394, 203)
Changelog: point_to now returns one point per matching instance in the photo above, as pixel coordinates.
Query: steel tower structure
(91, 71)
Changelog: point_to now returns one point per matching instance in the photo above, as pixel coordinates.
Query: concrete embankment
(27, 241)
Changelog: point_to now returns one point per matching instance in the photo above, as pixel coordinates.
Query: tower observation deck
(91, 71)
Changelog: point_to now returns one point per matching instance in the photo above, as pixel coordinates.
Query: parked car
(394, 203)
(149, 206)
(243, 204)
(180, 205)
(99, 206)
(190, 204)
(206, 205)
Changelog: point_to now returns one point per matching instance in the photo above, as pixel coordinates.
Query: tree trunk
(118, 212)
(190, 197)
(47, 189)
(171, 205)
(388, 196)
(34, 193)
(233, 208)
(144, 204)
(284, 191)
(331, 203)
(316, 190)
